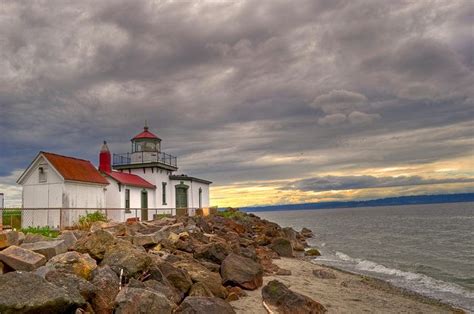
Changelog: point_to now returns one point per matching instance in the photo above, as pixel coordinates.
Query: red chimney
(104, 159)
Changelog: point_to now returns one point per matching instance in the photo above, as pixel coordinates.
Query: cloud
(337, 183)
(239, 91)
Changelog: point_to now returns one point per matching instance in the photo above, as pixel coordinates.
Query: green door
(181, 197)
(144, 199)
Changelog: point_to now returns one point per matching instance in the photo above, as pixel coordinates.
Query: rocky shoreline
(226, 263)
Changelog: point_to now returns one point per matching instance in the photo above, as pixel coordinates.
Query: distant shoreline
(390, 201)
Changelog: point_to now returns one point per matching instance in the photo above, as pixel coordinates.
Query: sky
(274, 101)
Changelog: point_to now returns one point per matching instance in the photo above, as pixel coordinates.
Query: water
(428, 249)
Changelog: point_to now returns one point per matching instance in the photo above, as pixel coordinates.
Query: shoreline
(348, 292)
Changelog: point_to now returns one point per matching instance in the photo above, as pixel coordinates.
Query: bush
(231, 214)
(45, 231)
(86, 221)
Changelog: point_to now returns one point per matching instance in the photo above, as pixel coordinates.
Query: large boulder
(29, 293)
(47, 248)
(277, 298)
(178, 277)
(8, 238)
(35, 237)
(214, 252)
(165, 288)
(76, 263)
(200, 274)
(282, 246)
(136, 300)
(132, 260)
(241, 271)
(208, 305)
(19, 258)
(74, 285)
(199, 289)
(147, 240)
(95, 244)
(107, 284)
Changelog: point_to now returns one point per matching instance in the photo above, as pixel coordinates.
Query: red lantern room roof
(146, 134)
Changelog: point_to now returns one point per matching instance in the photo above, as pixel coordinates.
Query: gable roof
(75, 169)
(130, 179)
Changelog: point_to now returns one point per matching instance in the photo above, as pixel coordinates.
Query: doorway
(144, 205)
(181, 196)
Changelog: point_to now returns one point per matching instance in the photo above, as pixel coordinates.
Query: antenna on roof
(146, 125)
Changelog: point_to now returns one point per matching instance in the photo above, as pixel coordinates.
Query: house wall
(156, 177)
(37, 195)
(193, 193)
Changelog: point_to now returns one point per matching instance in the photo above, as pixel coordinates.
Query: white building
(136, 184)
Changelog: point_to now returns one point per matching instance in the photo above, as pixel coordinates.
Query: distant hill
(401, 200)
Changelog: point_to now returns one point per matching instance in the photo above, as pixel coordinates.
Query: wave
(423, 284)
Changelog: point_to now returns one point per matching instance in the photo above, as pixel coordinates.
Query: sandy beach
(347, 293)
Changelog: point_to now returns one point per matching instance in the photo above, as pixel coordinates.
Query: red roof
(130, 179)
(145, 134)
(75, 169)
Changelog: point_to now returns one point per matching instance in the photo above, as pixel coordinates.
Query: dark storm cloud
(329, 183)
(240, 91)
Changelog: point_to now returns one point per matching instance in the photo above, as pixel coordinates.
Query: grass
(231, 214)
(12, 218)
(85, 222)
(45, 231)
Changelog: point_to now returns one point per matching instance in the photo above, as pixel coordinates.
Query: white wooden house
(142, 181)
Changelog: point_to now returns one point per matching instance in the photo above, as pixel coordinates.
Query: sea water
(428, 249)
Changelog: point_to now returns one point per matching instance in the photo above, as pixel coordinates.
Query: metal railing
(63, 218)
(144, 157)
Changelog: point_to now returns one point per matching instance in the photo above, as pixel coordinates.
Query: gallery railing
(144, 157)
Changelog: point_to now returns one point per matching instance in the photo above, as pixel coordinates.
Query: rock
(165, 288)
(282, 246)
(8, 238)
(307, 233)
(214, 252)
(133, 261)
(283, 272)
(95, 244)
(199, 273)
(107, 284)
(198, 305)
(278, 298)
(199, 289)
(312, 252)
(47, 248)
(241, 271)
(265, 257)
(324, 274)
(178, 277)
(69, 238)
(76, 263)
(2, 268)
(21, 259)
(73, 284)
(148, 239)
(137, 300)
(34, 237)
(29, 293)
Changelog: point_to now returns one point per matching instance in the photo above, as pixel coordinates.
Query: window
(127, 200)
(163, 192)
(42, 174)
(200, 197)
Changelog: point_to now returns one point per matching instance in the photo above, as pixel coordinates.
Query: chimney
(104, 159)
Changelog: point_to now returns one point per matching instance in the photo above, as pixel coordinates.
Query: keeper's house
(142, 181)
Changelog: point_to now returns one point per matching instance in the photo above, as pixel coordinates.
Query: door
(144, 206)
(181, 197)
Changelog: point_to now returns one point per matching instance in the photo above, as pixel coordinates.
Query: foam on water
(420, 283)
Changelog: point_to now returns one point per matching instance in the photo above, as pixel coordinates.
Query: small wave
(414, 281)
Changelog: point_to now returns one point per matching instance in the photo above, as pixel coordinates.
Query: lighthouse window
(163, 192)
(41, 174)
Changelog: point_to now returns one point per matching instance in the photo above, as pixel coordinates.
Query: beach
(347, 293)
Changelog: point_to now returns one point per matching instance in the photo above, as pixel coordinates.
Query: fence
(62, 218)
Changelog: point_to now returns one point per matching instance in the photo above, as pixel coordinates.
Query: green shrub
(45, 231)
(86, 221)
(231, 214)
